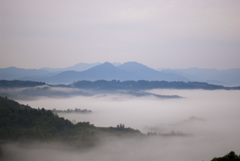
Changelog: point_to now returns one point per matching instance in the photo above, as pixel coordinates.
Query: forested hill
(231, 156)
(19, 83)
(124, 85)
(19, 122)
(23, 123)
(144, 85)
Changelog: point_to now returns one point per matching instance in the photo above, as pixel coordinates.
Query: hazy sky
(158, 33)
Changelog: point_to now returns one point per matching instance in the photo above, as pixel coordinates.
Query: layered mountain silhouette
(13, 73)
(221, 77)
(107, 71)
(122, 72)
(76, 67)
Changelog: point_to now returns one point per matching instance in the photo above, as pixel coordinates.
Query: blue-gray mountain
(221, 77)
(126, 71)
(14, 73)
(78, 67)
(107, 71)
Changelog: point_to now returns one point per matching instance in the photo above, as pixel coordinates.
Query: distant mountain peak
(103, 67)
(135, 66)
(107, 63)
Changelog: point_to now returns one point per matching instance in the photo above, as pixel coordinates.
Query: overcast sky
(157, 33)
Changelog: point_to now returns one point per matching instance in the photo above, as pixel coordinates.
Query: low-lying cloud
(208, 119)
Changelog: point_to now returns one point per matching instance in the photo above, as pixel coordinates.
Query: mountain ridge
(107, 71)
(126, 71)
(216, 76)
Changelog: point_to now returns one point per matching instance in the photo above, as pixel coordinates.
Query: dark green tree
(229, 157)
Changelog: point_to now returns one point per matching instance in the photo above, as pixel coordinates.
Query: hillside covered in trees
(19, 83)
(122, 85)
(22, 123)
(231, 156)
(145, 85)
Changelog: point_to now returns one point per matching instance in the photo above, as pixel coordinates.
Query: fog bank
(208, 119)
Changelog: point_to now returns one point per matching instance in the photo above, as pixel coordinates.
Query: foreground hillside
(35, 134)
(22, 123)
(231, 156)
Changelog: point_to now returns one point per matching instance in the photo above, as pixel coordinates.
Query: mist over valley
(121, 120)
(119, 80)
(201, 124)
